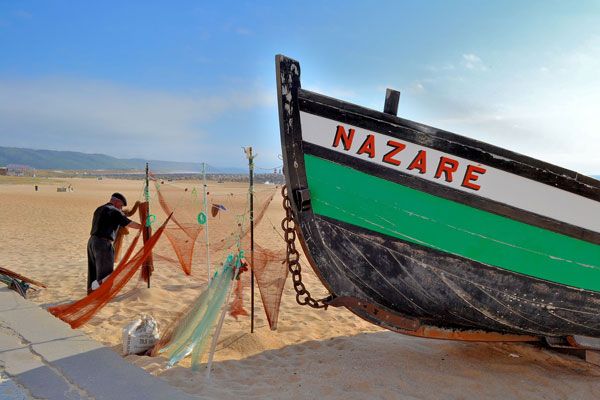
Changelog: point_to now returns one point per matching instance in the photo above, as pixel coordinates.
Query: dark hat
(120, 197)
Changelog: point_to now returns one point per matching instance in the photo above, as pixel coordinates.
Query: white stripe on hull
(493, 184)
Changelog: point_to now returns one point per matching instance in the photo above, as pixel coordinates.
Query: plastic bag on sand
(140, 335)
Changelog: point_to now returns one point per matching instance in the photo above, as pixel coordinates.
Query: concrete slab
(105, 375)
(593, 357)
(9, 341)
(9, 390)
(39, 379)
(31, 321)
(52, 361)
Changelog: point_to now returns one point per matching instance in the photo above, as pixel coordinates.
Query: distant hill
(72, 160)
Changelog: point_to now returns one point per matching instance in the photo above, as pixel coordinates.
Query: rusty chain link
(288, 225)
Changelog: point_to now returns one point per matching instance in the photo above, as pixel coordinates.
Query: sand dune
(315, 354)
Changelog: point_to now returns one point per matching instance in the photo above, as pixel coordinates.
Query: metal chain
(288, 225)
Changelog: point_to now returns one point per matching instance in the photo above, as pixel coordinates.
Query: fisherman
(108, 218)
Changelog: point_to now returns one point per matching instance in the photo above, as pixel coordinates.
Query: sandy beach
(320, 354)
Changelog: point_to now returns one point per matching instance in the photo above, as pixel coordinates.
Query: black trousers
(101, 259)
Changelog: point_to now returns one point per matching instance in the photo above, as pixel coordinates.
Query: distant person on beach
(108, 218)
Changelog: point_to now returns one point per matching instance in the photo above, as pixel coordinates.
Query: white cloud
(102, 117)
(473, 62)
(418, 87)
(547, 107)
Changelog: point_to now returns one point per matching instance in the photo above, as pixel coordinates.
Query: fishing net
(267, 266)
(192, 330)
(226, 227)
(18, 282)
(205, 226)
(230, 227)
(15, 284)
(185, 206)
(81, 311)
(124, 231)
(236, 309)
(271, 273)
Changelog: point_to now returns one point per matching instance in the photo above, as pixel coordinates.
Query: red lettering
(346, 139)
(420, 162)
(368, 146)
(447, 166)
(470, 177)
(397, 148)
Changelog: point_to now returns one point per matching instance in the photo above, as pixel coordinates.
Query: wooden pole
(146, 225)
(251, 167)
(206, 223)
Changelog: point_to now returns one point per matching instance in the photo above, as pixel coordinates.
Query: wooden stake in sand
(206, 223)
(147, 264)
(251, 157)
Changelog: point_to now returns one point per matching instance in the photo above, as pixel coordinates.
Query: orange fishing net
(219, 223)
(268, 264)
(236, 309)
(271, 272)
(124, 231)
(225, 223)
(184, 205)
(79, 312)
(204, 227)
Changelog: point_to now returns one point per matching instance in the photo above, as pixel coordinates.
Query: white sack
(140, 335)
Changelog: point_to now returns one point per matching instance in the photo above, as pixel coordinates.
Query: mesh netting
(184, 205)
(192, 329)
(227, 221)
(271, 272)
(236, 309)
(124, 231)
(79, 312)
(204, 225)
(221, 225)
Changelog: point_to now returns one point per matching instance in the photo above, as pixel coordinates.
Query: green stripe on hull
(347, 195)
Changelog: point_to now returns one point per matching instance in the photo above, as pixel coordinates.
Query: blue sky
(195, 81)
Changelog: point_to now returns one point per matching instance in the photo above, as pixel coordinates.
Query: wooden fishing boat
(433, 234)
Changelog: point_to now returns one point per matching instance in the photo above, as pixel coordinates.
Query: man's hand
(134, 225)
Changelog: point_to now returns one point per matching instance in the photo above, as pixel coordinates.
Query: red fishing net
(79, 312)
(271, 272)
(206, 226)
(124, 231)
(236, 309)
(184, 204)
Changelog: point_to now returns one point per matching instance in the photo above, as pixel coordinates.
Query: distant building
(20, 170)
(3, 171)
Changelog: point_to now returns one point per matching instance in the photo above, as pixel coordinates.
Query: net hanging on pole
(81, 311)
(190, 333)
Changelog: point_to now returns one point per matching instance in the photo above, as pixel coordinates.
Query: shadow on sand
(387, 365)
